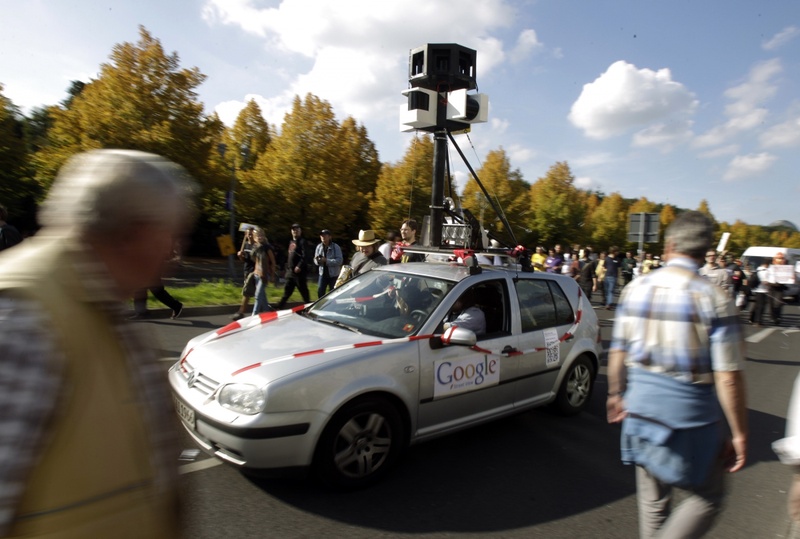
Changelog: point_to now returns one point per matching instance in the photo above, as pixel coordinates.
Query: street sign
(644, 228)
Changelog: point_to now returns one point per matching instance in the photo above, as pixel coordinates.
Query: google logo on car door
(466, 374)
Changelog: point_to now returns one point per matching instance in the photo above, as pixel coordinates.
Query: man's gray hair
(101, 192)
(691, 234)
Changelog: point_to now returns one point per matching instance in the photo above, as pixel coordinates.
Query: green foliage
(507, 188)
(315, 172)
(610, 222)
(17, 190)
(557, 207)
(141, 100)
(403, 190)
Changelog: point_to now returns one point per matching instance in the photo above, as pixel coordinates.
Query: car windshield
(385, 304)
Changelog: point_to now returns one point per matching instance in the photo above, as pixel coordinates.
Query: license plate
(184, 412)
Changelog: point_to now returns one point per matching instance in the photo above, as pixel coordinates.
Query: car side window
(491, 297)
(542, 304)
(564, 314)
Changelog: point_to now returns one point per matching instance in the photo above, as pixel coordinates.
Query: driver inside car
(466, 314)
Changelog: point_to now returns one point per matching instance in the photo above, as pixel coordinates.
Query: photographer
(328, 257)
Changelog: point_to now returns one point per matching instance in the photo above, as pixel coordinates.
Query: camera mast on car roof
(440, 75)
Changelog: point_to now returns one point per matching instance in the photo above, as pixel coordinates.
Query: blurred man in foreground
(87, 444)
(675, 365)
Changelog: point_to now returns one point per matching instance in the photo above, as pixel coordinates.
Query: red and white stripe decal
(334, 349)
(263, 318)
(568, 335)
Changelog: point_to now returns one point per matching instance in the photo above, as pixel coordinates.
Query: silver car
(343, 386)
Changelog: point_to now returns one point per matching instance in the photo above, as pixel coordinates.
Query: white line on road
(199, 465)
(761, 335)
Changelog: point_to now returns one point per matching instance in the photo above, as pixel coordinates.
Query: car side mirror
(454, 335)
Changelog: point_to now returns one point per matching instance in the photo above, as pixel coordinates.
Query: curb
(202, 310)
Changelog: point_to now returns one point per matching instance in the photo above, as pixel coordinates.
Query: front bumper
(263, 441)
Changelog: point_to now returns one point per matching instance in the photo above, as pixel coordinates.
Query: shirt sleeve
(727, 346)
(30, 383)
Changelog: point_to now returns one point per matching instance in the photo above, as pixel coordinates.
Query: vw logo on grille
(192, 378)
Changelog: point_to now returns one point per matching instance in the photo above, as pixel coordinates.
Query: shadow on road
(521, 471)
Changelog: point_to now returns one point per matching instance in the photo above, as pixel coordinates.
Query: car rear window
(542, 304)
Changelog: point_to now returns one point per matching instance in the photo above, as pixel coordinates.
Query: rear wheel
(359, 444)
(576, 388)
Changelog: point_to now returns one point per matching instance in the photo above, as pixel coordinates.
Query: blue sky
(677, 101)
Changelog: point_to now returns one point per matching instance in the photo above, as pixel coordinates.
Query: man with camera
(328, 257)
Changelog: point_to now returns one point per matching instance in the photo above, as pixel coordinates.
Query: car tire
(576, 388)
(359, 444)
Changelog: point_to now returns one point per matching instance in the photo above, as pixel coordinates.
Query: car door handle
(508, 350)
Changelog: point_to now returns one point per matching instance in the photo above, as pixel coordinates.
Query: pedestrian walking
(329, 259)
(88, 442)
(296, 267)
(674, 376)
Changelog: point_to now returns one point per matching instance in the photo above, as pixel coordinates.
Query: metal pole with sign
(644, 228)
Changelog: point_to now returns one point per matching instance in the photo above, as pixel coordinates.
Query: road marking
(199, 465)
(761, 335)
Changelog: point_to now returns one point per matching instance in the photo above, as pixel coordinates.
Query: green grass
(222, 292)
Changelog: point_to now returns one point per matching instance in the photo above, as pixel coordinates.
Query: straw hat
(366, 237)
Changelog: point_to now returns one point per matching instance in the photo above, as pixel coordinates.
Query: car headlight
(243, 398)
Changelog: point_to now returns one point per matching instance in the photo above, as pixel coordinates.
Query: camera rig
(440, 77)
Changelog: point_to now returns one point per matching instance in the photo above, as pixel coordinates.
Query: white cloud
(745, 166)
(745, 110)
(359, 48)
(594, 159)
(781, 38)
(527, 43)
(625, 98)
(499, 125)
(273, 110)
(664, 136)
(784, 135)
(719, 152)
(584, 182)
(518, 153)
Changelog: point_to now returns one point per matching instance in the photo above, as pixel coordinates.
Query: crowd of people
(260, 262)
(608, 271)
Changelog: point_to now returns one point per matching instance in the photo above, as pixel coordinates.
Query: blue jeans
(325, 281)
(261, 303)
(609, 283)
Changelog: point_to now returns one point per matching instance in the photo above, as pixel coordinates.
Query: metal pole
(437, 191)
(231, 269)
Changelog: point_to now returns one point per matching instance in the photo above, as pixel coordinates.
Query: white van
(755, 256)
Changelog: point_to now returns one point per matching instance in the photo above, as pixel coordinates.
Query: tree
(704, 209)
(311, 173)
(247, 140)
(557, 207)
(509, 191)
(141, 100)
(642, 206)
(17, 190)
(403, 190)
(610, 222)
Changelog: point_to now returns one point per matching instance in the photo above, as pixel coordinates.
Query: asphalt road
(531, 475)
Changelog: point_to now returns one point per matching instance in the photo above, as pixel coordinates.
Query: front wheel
(359, 444)
(576, 388)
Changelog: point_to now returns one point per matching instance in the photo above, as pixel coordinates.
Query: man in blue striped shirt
(675, 378)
